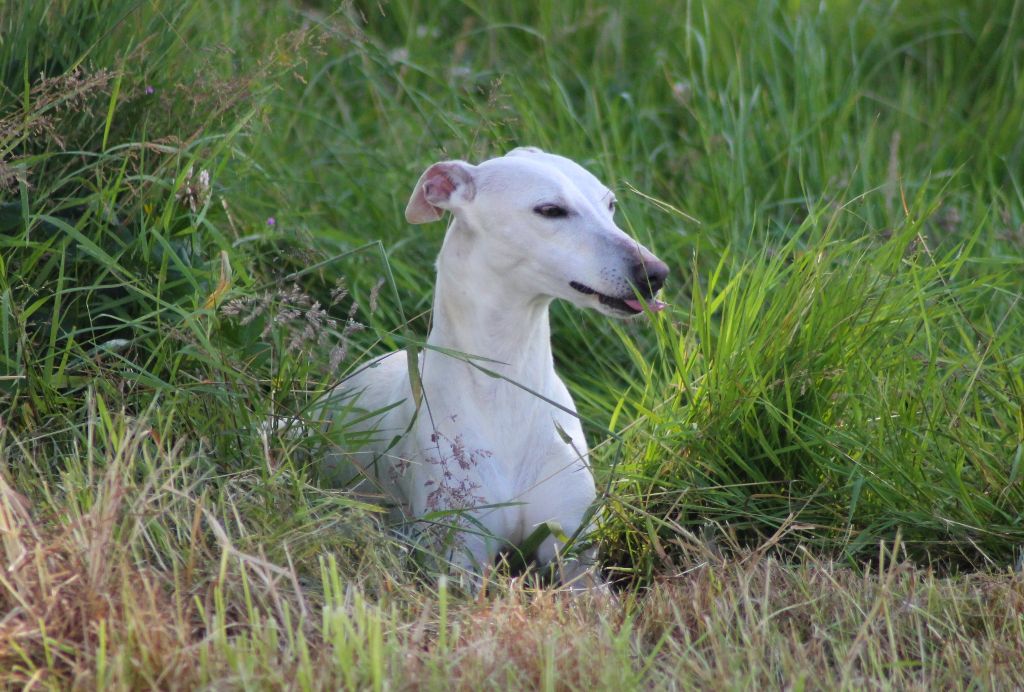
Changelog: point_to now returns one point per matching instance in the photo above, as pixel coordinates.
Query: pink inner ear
(419, 210)
(438, 187)
(435, 189)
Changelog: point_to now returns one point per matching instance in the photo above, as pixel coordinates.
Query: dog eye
(611, 206)
(551, 211)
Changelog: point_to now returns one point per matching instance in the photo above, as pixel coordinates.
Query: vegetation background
(812, 462)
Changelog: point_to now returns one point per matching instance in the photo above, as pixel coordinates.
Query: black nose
(649, 276)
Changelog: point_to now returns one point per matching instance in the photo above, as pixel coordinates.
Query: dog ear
(444, 185)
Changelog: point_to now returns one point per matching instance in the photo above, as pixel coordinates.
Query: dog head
(542, 223)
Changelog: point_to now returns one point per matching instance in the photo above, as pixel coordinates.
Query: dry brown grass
(71, 591)
(89, 602)
(764, 622)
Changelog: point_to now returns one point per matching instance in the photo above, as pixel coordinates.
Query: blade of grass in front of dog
(520, 556)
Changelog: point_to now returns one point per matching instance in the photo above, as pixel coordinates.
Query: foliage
(200, 228)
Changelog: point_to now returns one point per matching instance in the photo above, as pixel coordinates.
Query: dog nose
(650, 274)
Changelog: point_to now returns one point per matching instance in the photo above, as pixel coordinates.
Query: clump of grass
(122, 232)
(130, 567)
(855, 389)
(72, 589)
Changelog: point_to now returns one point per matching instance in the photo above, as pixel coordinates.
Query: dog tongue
(653, 305)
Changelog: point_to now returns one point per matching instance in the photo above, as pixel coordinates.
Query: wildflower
(339, 292)
(374, 294)
(338, 354)
(682, 91)
(195, 194)
(150, 90)
(10, 176)
(271, 221)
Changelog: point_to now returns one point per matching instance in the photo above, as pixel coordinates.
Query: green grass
(814, 459)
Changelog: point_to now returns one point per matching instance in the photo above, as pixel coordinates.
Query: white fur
(483, 440)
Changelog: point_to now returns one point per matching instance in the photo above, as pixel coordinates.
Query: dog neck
(479, 311)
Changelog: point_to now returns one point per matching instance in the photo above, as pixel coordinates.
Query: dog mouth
(630, 306)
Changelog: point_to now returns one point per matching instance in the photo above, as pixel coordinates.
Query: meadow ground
(812, 464)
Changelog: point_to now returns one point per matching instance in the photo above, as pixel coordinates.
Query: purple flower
(271, 221)
(150, 90)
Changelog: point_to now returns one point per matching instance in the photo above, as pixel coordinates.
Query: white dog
(509, 451)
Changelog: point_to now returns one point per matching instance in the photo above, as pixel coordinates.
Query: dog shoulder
(378, 382)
